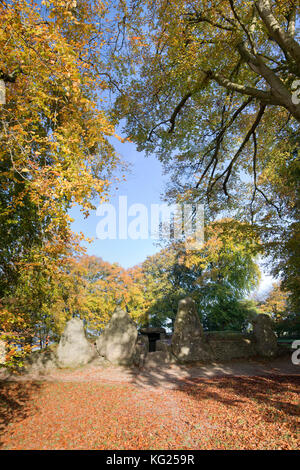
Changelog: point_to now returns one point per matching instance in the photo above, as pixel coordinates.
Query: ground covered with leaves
(218, 413)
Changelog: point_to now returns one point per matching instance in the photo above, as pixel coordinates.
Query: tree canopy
(55, 149)
(213, 88)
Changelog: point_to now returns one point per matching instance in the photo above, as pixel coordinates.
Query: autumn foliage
(223, 413)
(55, 150)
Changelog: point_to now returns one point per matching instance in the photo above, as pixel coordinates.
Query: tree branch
(264, 96)
(228, 170)
(286, 42)
(10, 77)
(242, 26)
(198, 17)
(177, 110)
(220, 138)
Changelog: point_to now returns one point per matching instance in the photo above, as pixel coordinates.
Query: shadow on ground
(267, 390)
(175, 376)
(273, 395)
(15, 398)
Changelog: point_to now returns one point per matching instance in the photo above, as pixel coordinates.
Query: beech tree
(218, 276)
(224, 59)
(55, 150)
(278, 305)
(213, 88)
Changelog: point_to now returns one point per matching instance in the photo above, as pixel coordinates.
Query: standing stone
(42, 362)
(141, 350)
(188, 341)
(264, 336)
(163, 345)
(74, 349)
(159, 359)
(118, 341)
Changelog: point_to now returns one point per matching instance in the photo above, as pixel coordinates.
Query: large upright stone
(74, 349)
(188, 341)
(141, 350)
(265, 339)
(42, 361)
(118, 341)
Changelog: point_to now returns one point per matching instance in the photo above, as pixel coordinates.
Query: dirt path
(164, 376)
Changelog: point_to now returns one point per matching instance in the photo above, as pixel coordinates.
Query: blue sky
(144, 184)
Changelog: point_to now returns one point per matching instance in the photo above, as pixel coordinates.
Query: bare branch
(242, 26)
(198, 17)
(177, 110)
(220, 138)
(228, 170)
(184, 100)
